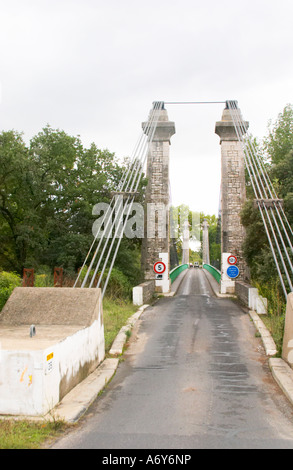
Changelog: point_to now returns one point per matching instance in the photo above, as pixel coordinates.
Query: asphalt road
(195, 376)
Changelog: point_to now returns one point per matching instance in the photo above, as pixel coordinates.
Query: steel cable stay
(129, 201)
(157, 108)
(247, 164)
(129, 182)
(254, 167)
(120, 188)
(264, 185)
(262, 188)
(267, 185)
(276, 203)
(133, 167)
(117, 206)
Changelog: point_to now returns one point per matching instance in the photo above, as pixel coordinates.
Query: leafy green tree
(214, 238)
(279, 141)
(17, 216)
(47, 193)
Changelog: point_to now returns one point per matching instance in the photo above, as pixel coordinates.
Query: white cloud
(94, 67)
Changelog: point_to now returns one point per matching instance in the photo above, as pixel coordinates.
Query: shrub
(44, 280)
(43, 277)
(119, 286)
(8, 281)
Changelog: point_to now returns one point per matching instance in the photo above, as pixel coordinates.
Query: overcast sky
(94, 67)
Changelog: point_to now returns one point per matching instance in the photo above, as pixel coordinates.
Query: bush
(44, 277)
(275, 318)
(119, 286)
(44, 280)
(8, 281)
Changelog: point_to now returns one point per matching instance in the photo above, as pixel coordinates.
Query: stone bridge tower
(185, 243)
(233, 196)
(155, 244)
(205, 243)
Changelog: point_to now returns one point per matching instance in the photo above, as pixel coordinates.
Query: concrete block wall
(143, 293)
(37, 372)
(250, 297)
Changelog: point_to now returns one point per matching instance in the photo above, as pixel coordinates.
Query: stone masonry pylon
(205, 243)
(156, 235)
(185, 244)
(233, 193)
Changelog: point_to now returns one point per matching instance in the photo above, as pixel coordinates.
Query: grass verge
(24, 434)
(276, 312)
(116, 313)
(275, 325)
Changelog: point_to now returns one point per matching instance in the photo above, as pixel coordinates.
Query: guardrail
(213, 271)
(176, 271)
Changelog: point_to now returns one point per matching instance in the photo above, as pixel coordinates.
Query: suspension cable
(264, 184)
(117, 209)
(263, 189)
(129, 183)
(117, 205)
(157, 108)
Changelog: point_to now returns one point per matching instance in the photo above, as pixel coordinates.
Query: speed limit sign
(159, 267)
(232, 260)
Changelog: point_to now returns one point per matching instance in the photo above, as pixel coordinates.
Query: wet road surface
(195, 376)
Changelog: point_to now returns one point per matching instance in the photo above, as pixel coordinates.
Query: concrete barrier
(38, 371)
(143, 293)
(250, 297)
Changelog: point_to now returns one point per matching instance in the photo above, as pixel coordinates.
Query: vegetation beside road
(116, 313)
(24, 434)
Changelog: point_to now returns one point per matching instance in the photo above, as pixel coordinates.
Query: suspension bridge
(150, 157)
(68, 344)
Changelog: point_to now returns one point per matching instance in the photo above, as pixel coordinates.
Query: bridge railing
(176, 271)
(213, 271)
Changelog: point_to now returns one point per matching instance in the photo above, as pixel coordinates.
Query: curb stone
(268, 342)
(283, 375)
(121, 338)
(74, 405)
(281, 371)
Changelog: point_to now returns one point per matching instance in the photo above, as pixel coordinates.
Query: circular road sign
(159, 267)
(233, 272)
(232, 259)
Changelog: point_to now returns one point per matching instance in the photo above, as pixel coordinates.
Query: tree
(17, 217)
(214, 239)
(47, 193)
(279, 141)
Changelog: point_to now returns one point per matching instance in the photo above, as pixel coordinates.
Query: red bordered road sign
(232, 259)
(159, 267)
